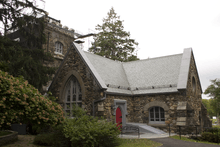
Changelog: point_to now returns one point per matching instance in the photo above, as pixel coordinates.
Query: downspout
(95, 101)
(48, 41)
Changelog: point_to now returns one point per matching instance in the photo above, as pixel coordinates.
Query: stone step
(144, 128)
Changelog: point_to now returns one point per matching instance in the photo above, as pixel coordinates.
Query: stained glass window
(73, 95)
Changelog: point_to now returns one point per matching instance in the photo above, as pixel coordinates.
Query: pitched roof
(150, 76)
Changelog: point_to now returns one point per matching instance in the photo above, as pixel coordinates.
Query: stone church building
(157, 91)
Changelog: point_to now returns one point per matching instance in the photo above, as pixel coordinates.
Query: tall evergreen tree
(26, 58)
(112, 41)
(213, 92)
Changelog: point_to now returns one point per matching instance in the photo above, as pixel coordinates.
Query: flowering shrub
(21, 102)
(87, 131)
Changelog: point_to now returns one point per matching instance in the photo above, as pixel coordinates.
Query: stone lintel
(181, 119)
(181, 106)
(181, 123)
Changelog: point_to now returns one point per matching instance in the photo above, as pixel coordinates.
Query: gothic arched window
(73, 95)
(157, 114)
(58, 47)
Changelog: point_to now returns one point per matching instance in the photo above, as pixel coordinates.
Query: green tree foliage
(208, 104)
(20, 102)
(87, 131)
(112, 41)
(21, 14)
(17, 60)
(81, 131)
(27, 57)
(213, 92)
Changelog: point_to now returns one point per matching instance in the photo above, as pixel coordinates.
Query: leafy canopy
(27, 57)
(213, 91)
(20, 102)
(112, 41)
(17, 60)
(15, 14)
(208, 104)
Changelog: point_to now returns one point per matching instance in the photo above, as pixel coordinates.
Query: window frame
(154, 115)
(72, 89)
(58, 48)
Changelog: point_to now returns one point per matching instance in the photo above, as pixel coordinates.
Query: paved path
(170, 142)
(144, 128)
(161, 137)
(146, 135)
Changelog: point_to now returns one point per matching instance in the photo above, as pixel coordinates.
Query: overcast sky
(161, 27)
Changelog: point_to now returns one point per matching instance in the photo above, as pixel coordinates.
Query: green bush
(44, 139)
(54, 137)
(210, 137)
(86, 131)
(20, 102)
(82, 130)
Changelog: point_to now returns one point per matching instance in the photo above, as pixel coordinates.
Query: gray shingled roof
(110, 71)
(150, 76)
(156, 75)
(153, 72)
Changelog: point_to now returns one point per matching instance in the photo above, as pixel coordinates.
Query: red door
(118, 118)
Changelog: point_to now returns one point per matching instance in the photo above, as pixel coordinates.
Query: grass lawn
(2, 133)
(191, 140)
(27, 141)
(139, 143)
(23, 141)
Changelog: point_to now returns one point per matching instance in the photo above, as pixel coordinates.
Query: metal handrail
(130, 129)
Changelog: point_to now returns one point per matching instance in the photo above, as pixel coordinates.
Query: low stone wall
(8, 138)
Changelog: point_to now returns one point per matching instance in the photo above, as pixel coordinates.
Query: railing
(130, 129)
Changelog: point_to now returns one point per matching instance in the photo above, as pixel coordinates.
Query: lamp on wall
(113, 106)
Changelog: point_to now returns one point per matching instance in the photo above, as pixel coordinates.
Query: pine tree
(26, 58)
(112, 41)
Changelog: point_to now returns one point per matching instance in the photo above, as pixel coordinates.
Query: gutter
(95, 101)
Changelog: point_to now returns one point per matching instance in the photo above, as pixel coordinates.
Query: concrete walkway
(161, 137)
(146, 135)
(144, 128)
(146, 132)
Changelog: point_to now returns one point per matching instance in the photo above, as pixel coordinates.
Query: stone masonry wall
(137, 112)
(164, 100)
(109, 101)
(73, 63)
(54, 33)
(194, 99)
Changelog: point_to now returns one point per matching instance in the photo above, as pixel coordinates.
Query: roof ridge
(152, 58)
(135, 60)
(126, 77)
(103, 57)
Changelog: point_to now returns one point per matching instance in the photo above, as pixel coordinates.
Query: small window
(193, 84)
(157, 114)
(59, 47)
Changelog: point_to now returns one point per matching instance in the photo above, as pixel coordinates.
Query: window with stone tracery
(73, 95)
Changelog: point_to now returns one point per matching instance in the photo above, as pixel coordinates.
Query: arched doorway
(118, 118)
